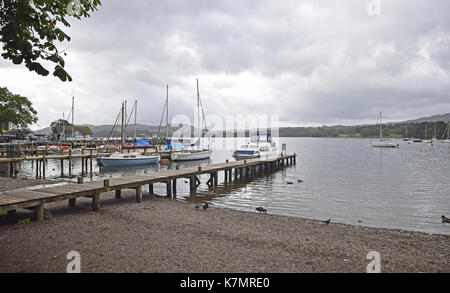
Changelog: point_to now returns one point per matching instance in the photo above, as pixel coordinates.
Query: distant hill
(435, 118)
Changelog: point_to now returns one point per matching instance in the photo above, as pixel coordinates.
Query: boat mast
(406, 135)
(135, 118)
(73, 101)
(448, 130)
(198, 113)
(121, 133)
(381, 126)
(425, 131)
(167, 112)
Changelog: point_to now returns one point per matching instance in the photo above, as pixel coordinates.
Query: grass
(24, 221)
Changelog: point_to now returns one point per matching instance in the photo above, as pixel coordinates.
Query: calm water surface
(344, 179)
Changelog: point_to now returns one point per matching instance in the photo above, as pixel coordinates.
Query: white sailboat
(425, 140)
(194, 151)
(127, 159)
(448, 134)
(383, 142)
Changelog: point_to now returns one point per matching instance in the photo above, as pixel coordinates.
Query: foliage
(61, 125)
(29, 30)
(395, 130)
(47, 215)
(24, 221)
(16, 109)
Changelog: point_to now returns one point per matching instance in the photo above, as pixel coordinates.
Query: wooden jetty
(87, 155)
(36, 199)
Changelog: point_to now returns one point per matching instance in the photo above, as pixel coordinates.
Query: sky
(310, 63)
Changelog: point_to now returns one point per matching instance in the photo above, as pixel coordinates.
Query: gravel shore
(162, 235)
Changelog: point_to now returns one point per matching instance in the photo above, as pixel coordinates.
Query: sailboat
(425, 140)
(448, 134)
(194, 150)
(383, 142)
(127, 159)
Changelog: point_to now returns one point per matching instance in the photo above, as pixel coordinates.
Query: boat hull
(108, 162)
(385, 145)
(191, 156)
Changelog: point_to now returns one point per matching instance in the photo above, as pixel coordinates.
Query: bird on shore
(445, 219)
(327, 221)
(261, 210)
(205, 206)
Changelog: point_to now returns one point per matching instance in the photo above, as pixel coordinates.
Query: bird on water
(261, 210)
(327, 221)
(445, 219)
(205, 206)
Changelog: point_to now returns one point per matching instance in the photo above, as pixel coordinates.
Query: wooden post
(139, 194)
(70, 163)
(96, 201)
(106, 184)
(192, 184)
(43, 166)
(150, 189)
(39, 212)
(62, 168)
(90, 163)
(226, 176)
(119, 194)
(174, 187)
(169, 189)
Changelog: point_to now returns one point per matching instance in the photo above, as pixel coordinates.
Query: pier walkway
(36, 199)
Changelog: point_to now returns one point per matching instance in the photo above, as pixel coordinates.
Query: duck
(445, 219)
(327, 221)
(299, 181)
(205, 206)
(289, 182)
(197, 206)
(261, 210)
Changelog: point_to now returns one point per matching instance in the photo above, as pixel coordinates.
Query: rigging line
(162, 117)
(129, 118)
(113, 128)
(204, 119)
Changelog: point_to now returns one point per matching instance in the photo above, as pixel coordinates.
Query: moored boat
(383, 142)
(260, 146)
(128, 159)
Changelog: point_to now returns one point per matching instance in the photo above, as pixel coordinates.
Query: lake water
(343, 179)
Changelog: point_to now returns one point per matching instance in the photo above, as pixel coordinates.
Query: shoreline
(171, 236)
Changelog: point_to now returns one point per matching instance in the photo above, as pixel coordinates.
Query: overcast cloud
(310, 62)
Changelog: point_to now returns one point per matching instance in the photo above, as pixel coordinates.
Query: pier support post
(62, 168)
(150, 189)
(39, 212)
(169, 189)
(192, 184)
(139, 194)
(119, 193)
(96, 201)
(174, 188)
(90, 163)
(72, 202)
(43, 166)
(70, 163)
